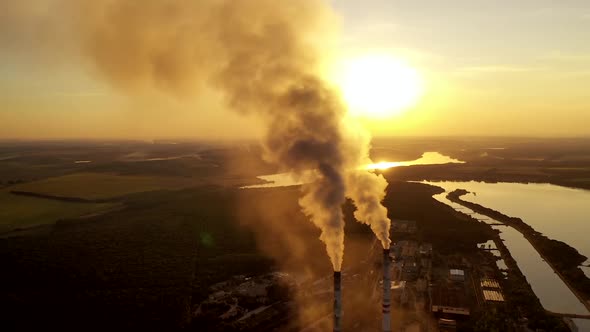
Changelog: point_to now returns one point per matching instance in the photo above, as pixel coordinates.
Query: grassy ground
(22, 212)
(19, 212)
(100, 186)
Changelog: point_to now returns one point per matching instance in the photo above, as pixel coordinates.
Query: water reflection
(551, 290)
(277, 180)
(288, 179)
(558, 212)
(428, 158)
(582, 324)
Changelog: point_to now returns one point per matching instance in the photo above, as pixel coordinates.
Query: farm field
(23, 212)
(93, 186)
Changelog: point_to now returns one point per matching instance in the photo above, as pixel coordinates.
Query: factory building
(457, 275)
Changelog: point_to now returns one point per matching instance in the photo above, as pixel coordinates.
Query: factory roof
(457, 272)
(451, 310)
(490, 283)
(492, 295)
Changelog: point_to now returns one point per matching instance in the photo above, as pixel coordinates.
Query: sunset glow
(379, 86)
(266, 165)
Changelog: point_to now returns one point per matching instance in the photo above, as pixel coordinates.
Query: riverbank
(523, 307)
(564, 260)
(521, 296)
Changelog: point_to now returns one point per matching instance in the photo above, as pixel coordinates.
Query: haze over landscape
(309, 165)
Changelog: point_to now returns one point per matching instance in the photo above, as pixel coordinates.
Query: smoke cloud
(259, 54)
(365, 188)
(262, 56)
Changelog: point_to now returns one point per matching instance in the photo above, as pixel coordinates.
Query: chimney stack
(386, 291)
(337, 301)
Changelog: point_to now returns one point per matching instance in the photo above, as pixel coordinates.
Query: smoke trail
(260, 54)
(365, 188)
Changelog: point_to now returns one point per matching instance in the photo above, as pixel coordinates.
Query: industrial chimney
(337, 301)
(386, 291)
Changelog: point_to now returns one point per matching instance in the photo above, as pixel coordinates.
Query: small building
(457, 275)
(463, 311)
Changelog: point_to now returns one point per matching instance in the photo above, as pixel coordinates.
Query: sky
(492, 68)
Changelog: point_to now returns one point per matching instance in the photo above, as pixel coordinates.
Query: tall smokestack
(337, 301)
(386, 291)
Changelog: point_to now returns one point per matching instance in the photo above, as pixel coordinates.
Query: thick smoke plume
(365, 188)
(261, 55)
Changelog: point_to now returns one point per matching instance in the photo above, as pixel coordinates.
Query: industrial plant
(419, 290)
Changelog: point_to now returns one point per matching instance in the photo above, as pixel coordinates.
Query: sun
(378, 86)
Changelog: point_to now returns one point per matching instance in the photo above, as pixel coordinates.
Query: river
(558, 212)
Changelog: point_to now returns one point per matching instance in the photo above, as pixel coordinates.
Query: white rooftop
(457, 272)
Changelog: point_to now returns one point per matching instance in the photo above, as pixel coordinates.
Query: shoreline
(517, 290)
(538, 241)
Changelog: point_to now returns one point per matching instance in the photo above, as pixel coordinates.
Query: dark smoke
(259, 54)
(263, 56)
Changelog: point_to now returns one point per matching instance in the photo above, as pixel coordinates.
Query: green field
(17, 211)
(100, 186)
(22, 212)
